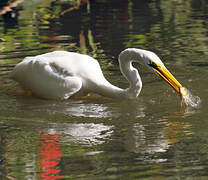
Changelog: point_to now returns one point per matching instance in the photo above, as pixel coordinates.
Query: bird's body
(61, 74)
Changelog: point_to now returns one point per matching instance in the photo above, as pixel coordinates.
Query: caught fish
(188, 99)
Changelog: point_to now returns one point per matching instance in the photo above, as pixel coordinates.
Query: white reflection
(88, 110)
(144, 144)
(30, 167)
(88, 133)
(104, 110)
(152, 139)
(94, 108)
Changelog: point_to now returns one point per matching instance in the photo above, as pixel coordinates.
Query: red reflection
(50, 154)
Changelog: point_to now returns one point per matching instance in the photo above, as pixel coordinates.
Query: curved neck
(126, 58)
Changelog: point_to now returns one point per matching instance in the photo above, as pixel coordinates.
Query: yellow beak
(167, 76)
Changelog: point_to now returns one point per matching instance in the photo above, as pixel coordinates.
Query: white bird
(61, 74)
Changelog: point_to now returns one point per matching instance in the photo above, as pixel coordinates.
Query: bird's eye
(152, 64)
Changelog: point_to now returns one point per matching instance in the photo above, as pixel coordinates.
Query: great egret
(61, 74)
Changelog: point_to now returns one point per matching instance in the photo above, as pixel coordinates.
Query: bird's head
(154, 62)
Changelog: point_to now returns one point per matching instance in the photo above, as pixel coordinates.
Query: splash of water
(189, 99)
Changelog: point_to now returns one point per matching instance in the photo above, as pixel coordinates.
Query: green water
(151, 137)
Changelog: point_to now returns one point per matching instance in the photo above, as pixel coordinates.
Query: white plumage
(61, 74)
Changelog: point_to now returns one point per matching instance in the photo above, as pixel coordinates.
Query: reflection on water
(89, 133)
(89, 107)
(52, 139)
(158, 137)
(106, 110)
(50, 154)
(59, 141)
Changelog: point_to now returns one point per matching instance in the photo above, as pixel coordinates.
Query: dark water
(152, 137)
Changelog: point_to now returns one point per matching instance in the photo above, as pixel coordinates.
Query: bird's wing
(46, 78)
